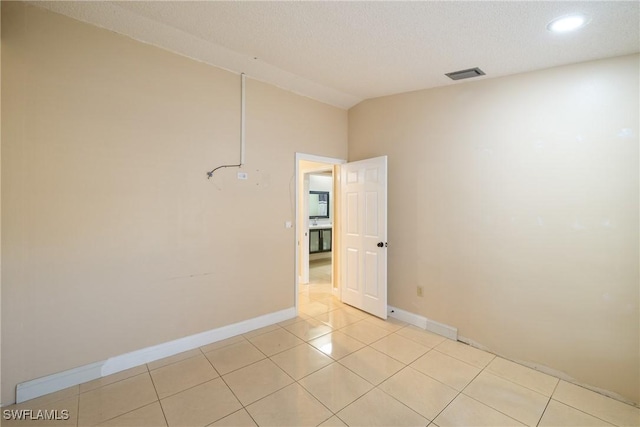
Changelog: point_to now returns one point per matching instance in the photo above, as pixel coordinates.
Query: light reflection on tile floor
(333, 365)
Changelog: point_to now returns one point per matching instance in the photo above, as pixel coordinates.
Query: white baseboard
(442, 329)
(61, 380)
(406, 316)
(424, 323)
(51, 383)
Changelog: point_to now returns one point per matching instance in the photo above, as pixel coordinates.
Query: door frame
(330, 161)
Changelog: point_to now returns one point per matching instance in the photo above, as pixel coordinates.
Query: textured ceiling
(344, 52)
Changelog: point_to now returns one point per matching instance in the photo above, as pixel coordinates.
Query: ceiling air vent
(465, 74)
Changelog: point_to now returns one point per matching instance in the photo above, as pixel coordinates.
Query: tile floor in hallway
(332, 366)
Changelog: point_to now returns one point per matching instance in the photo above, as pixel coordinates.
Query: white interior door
(364, 235)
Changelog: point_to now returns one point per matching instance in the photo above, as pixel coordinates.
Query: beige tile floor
(332, 366)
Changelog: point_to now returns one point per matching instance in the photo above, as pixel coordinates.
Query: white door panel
(364, 236)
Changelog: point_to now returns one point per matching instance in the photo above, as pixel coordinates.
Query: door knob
(380, 244)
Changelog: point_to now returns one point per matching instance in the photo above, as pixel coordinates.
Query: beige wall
(112, 237)
(514, 203)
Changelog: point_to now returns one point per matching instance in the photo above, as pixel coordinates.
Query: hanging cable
(242, 134)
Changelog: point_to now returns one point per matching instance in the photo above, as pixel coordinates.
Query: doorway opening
(320, 199)
(317, 223)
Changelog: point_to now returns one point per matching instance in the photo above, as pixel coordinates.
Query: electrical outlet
(419, 291)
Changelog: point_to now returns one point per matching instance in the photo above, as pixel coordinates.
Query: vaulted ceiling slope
(344, 52)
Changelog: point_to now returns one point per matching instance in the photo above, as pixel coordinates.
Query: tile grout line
(522, 385)
(115, 382)
(243, 407)
(297, 382)
(547, 405)
(482, 403)
(404, 404)
(132, 410)
(265, 358)
(588, 413)
(491, 407)
(459, 392)
(158, 396)
(78, 408)
(228, 415)
(232, 392)
(242, 367)
(515, 383)
(173, 363)
(188, 388)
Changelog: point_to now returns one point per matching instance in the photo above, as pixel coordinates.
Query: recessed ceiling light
(568, 23)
